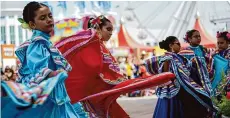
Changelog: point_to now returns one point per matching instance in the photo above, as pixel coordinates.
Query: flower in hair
(96, 21)
(228, 35)
(24, 25)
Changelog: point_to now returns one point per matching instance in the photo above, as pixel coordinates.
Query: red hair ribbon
(96, 21)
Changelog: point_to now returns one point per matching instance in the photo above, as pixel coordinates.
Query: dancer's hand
(61, 70)
(52, 74)
(55, 73)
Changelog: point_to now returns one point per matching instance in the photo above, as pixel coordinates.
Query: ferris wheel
(172, 18)
(144, 24)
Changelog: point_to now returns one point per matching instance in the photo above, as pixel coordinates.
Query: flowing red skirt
(84, 83)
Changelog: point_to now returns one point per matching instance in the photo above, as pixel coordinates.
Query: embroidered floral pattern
(115, 76)
(112, 82)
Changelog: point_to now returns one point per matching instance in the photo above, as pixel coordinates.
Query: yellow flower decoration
(24, 25)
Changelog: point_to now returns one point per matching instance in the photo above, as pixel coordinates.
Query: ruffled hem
(24, 96)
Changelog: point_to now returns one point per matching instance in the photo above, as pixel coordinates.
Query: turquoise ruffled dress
(34, 95)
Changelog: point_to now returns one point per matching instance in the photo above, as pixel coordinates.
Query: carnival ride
(183, 16)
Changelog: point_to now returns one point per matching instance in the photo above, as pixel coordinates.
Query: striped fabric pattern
(152, 64)
(23, 95)
(181, 71)
(56, 54)
(85, 34)
(36, 87)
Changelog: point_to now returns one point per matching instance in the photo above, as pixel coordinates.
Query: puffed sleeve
(152, 65)
(38, 58)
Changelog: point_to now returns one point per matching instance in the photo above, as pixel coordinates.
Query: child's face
(176, 46)
(195, 39)
(222, 44)
(43, 20)
(107, 31)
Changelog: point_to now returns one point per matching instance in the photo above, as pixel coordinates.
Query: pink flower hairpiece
(96, 21)
(228, 35)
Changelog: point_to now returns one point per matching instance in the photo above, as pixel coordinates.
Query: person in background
(8, 73)
(194, 39)
(3, 76)
(130, 68)
(178, 98)
(136, 67)
(220, 66)
(200, 53)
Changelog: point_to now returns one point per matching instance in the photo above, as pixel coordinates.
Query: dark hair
(89, 22)
(11, 71)
(189, 34)
(102, 23)
(7, 69)
(29, 11)
(225, 35)
(165, 43)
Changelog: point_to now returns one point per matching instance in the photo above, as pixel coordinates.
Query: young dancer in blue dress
(221, 61)
(40, 90)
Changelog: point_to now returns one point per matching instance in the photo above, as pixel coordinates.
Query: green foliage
(224, 107)
(220, 99)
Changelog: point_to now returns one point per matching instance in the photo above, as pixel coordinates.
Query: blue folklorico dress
(181, 97)
(34, 95)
